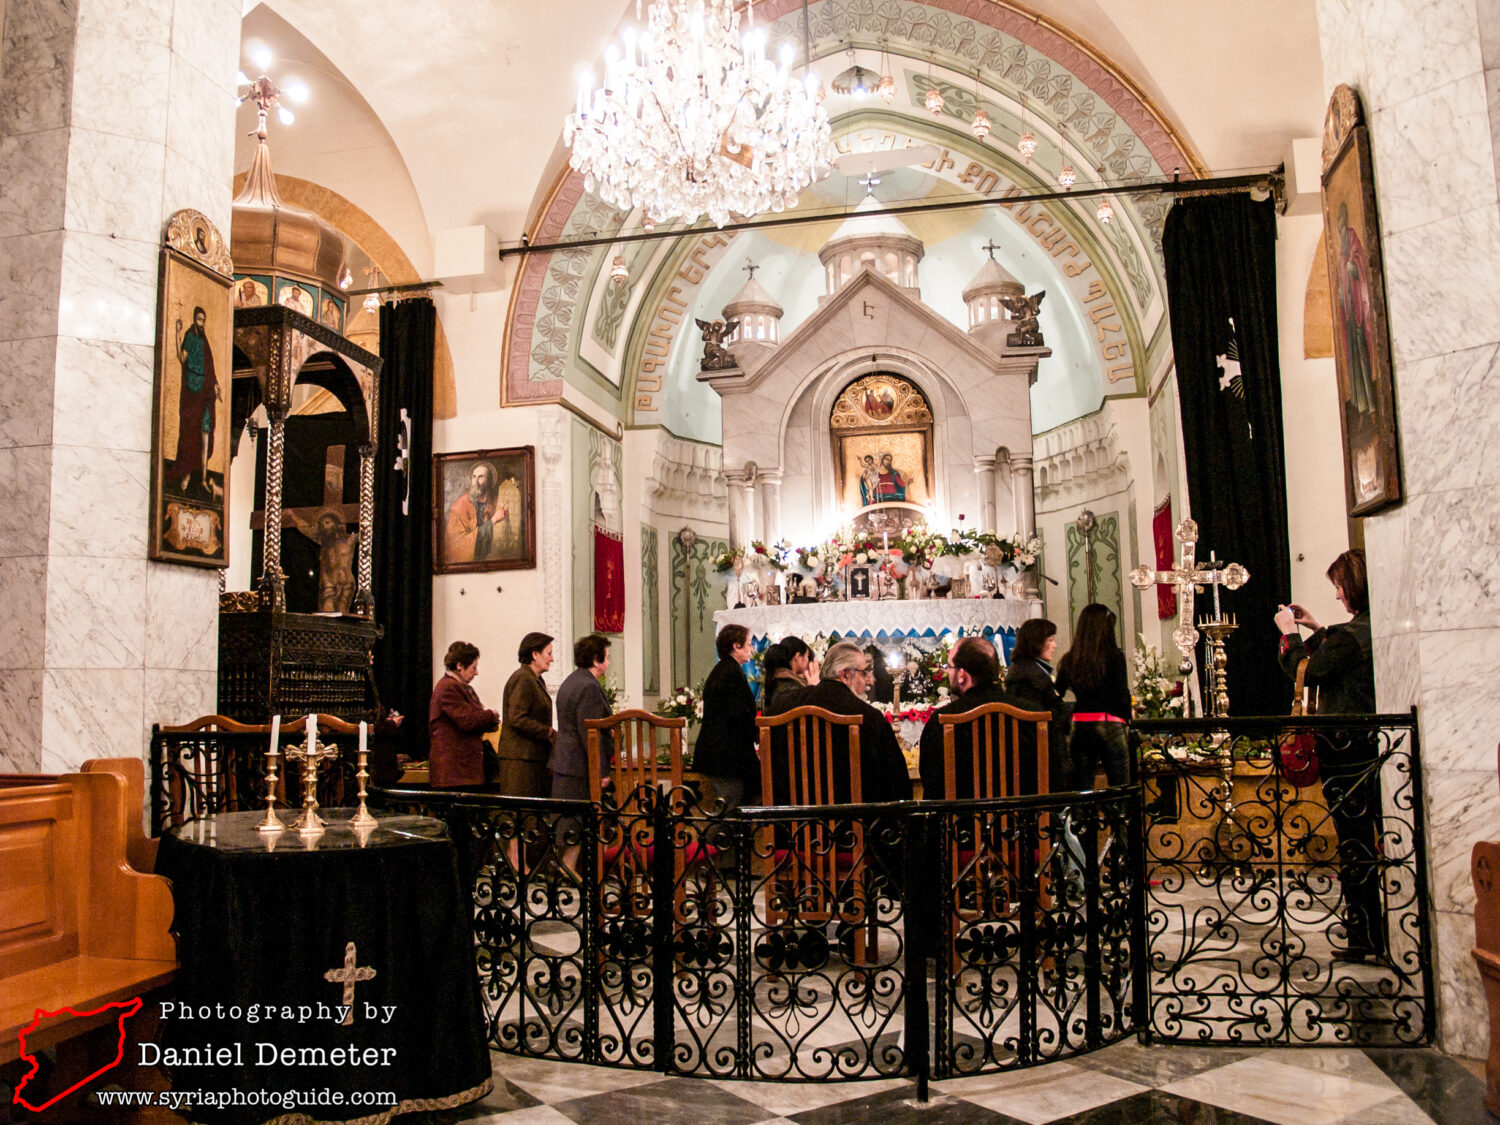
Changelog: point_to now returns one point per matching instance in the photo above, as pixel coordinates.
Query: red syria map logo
(126, 1008)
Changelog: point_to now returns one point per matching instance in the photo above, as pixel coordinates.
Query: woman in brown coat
(458, 721)
(526, 738)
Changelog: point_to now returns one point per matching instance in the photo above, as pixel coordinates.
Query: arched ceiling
(473, 96)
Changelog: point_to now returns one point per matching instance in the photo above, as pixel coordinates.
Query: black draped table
(333, 977)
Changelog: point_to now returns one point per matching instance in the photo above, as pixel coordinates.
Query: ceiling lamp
(617, 271)
(934, 100)
(981, 123)
(1027, 145)
(1067, 177)
(856, 81)
(886, 87)
(1105, 210)
(693, 120)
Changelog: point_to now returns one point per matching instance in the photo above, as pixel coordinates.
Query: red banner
(609, 581)
(1161, 534)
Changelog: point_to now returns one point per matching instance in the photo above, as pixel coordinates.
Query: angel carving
(1023, 313)
(716, 357)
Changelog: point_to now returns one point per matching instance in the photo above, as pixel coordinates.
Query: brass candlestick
(362, 818)
(271, 822)
(1217, 664)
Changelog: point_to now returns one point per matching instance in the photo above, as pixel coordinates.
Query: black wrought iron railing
(853, 941)
(1286, 883)
(1225, 897)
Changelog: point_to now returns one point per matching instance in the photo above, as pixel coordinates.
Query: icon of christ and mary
(882, 483)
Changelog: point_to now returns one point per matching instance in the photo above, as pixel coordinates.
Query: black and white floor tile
(1127, 1084)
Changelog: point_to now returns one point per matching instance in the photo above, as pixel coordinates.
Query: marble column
(552, 514)
(770, 504)
(984, 469)
(1432, 102)
(738, 517)
(1024, 497)
(112, 117)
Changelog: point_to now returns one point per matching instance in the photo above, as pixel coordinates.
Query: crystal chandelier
(694, 120)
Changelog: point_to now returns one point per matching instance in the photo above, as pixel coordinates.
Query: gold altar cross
(351, 973)
(305, 520)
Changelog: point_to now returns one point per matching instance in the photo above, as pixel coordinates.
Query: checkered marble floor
(1126, 1084)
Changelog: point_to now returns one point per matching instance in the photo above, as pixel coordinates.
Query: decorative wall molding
(686, 480)
(552, 516)
(1080, 461)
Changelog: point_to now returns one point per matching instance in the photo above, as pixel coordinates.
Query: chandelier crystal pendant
(692, 119)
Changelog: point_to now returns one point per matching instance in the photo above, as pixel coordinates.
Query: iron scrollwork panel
(1280, 912)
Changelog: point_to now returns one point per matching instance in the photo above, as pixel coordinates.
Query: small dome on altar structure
(758, 314)
(874, 240)
(982, 294)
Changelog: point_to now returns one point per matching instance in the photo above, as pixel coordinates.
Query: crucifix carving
(327, 525)
(349, 975)
(750, 268)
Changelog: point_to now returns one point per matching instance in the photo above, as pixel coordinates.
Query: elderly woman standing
(457, 721)
(526, 738)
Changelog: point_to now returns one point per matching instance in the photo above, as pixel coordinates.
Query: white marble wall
(114, 114)
(1433, 102)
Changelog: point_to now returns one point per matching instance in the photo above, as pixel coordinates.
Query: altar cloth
(872, 620)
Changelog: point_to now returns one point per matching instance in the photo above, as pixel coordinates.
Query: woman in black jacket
(1094, 669)
(726, 745)
(1341, 671)
(1029, 679)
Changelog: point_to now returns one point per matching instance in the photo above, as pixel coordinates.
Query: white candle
(886, 535)
(312, 733)
(275, 736)
(363, 730)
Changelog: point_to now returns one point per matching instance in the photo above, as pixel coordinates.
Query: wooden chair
(216, 764)
(812, 874)
(986, 872)
(625, 861)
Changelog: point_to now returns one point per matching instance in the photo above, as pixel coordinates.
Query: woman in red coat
(458, 721)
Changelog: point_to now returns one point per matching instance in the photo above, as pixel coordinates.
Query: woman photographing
(1340, 671)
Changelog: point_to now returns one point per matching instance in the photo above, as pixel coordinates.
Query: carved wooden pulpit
(272, 660)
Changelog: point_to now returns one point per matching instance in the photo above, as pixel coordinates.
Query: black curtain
(1221, 292)
(403, 539)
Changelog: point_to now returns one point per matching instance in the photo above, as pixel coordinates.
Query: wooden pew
(81, 925)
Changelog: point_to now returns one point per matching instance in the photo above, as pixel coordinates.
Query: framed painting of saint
(190, 410)
(484, 511)
(1356, 276)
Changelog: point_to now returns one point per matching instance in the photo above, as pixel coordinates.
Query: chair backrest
(801, 746)
(642, 756)
(994, 733)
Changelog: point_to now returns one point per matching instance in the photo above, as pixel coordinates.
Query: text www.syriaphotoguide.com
(178, 1100)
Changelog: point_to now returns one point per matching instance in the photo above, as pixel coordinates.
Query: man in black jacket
(726, 744)
(974, 672)
(847, 673)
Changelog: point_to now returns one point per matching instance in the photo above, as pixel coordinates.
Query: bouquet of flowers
(724, 562)
(684, 703)
(1158, 694)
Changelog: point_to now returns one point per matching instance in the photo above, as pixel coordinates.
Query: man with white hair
(846, 675)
